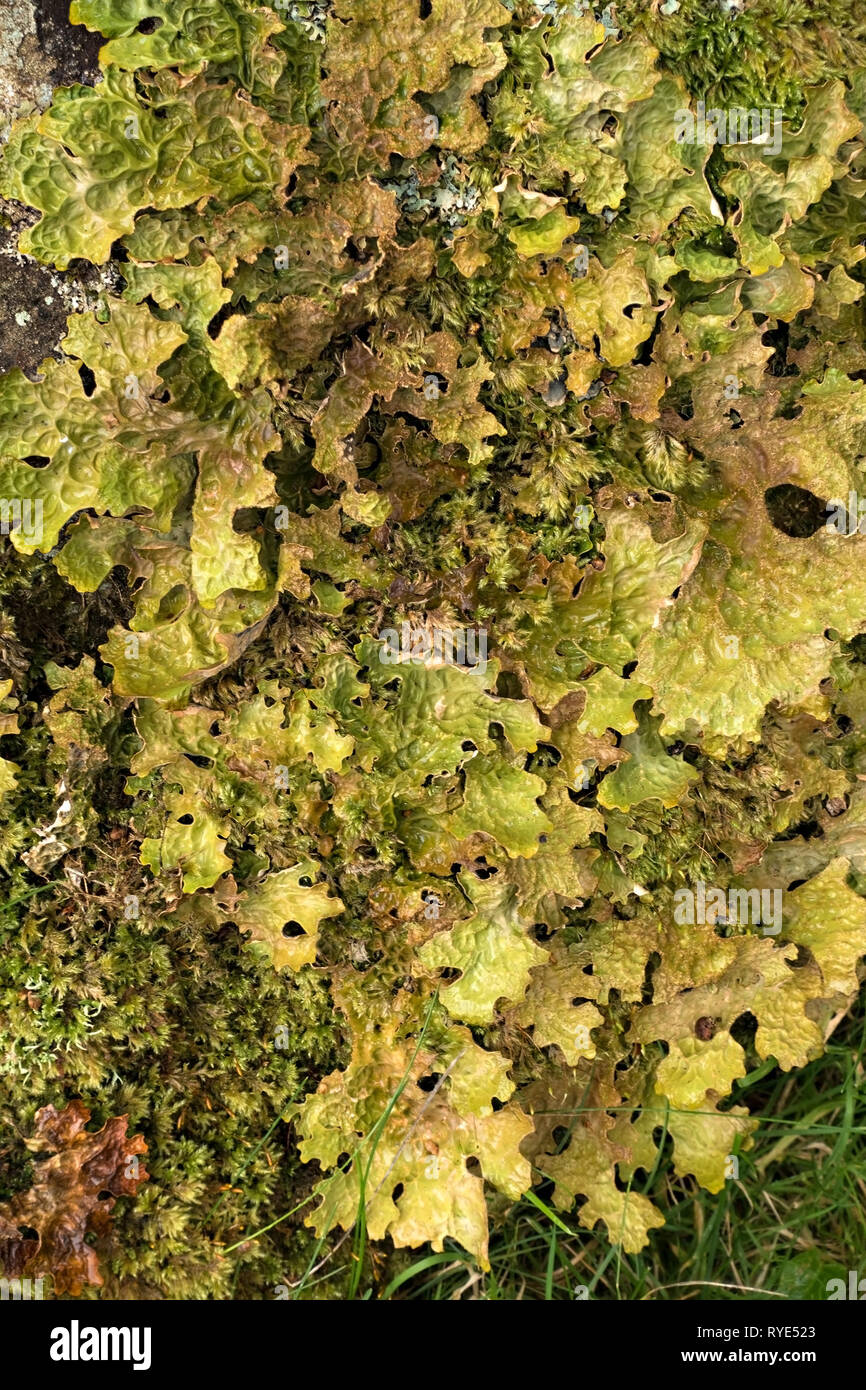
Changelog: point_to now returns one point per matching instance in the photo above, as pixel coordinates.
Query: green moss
(755, 53)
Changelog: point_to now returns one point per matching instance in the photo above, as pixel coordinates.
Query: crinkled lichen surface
(429, 322)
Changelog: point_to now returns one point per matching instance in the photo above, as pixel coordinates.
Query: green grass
(794, 1219)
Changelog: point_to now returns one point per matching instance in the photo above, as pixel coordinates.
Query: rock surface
(39, 50)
